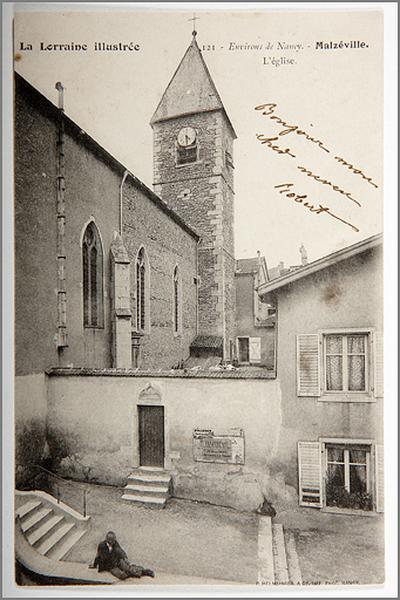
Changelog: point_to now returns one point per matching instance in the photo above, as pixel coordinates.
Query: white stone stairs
(278, 562)
(148, 485)
(52, 528)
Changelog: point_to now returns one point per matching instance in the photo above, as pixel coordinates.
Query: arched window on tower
(92, 263)
(142, 292)
(177, 302)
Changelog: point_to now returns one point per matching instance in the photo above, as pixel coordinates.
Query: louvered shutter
(310, 485)
(377, 349)
(308, 365)
(255, 349)
(379, 479)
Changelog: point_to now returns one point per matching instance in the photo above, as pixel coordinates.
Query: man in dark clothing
(111, 557)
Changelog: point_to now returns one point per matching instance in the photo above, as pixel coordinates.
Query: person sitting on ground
(111, 557)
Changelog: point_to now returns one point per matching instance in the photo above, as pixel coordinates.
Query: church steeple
(191, 89)
(193, 174)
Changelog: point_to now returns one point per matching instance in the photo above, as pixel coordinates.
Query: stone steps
(148, 486)
(50, 527)
(36, 518)
(278, 562)
(44, 531)
(148, 489)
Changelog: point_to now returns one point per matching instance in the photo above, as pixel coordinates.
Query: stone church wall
(92, 192)
(167, 245)
(35, 238)
(101, 445)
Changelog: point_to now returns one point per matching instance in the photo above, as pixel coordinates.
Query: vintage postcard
(198, 209)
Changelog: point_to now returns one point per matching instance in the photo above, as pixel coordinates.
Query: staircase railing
(58, 478)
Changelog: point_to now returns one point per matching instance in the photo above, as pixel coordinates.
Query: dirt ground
(337, 548)
(201, 540)
(186, 538)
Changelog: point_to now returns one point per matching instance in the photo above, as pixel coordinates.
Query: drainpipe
(125, 175)
(61, 335)
(197, 286)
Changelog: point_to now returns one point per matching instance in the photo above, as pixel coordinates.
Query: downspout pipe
(61, 335)
(197, 285)
(125, 175)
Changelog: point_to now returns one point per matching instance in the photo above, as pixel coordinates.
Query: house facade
(255, 320)
(330, 373)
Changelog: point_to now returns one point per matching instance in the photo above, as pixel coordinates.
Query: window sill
(93, 327)
(349, 511)
(363, 398)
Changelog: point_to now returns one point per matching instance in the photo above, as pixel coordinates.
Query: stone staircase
(50, 527)
(277, 555)
(148, 485)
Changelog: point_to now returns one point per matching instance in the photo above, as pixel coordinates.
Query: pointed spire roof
(191, 89)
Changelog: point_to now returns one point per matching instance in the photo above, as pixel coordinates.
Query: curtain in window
(334, 362)
(356, 362)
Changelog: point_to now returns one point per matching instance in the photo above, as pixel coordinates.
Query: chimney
(60, 89)
(303, 254)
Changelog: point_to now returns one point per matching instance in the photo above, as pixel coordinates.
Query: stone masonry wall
(35, 238)
(166, 245)
(202, 194)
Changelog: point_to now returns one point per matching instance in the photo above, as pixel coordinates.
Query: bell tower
(193, 173)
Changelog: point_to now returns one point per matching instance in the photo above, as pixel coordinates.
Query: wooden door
(151, 436)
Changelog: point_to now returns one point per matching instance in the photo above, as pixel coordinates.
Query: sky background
(334, 95)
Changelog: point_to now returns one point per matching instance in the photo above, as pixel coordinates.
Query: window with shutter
(379, 479)
(309, 457)
(351, 364)
(308, 365)
(346, 364)
(348, 475)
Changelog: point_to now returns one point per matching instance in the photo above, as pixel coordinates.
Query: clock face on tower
(186, 137)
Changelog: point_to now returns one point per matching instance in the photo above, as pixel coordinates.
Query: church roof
(191, 89)
(26, 89)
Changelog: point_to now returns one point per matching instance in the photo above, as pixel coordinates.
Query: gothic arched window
(92, 261)
(142, 292)
(177, 302)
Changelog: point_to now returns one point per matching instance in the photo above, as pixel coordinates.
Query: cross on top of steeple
(194, 19)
